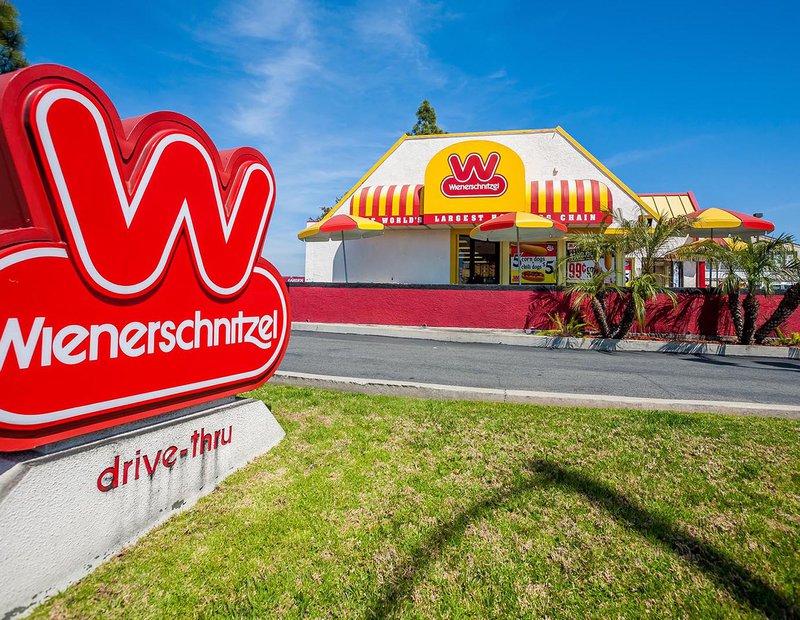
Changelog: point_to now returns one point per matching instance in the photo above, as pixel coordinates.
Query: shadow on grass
(407, 573)
(736, 579)
(739, 582)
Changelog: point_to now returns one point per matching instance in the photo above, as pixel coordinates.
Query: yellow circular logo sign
(473, 180)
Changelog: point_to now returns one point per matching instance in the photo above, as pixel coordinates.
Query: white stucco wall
(546, 155)
(319, 261)
(401, 256)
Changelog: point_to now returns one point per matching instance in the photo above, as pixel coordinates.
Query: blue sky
(672, 96)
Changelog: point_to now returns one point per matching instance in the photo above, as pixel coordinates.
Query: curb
(387, 387)
(519, 338)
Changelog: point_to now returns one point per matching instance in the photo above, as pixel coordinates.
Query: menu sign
(536, 263)
(582, 265)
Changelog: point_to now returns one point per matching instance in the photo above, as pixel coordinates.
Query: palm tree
(789, 303)
(646, 242)
(722, 253)
(751, 264)
(595, 289)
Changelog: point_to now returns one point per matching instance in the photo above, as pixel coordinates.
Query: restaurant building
(430, 191)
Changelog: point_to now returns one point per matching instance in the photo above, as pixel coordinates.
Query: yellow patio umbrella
(717, 222)
(519, 226)
(731, 242)
(341, 227)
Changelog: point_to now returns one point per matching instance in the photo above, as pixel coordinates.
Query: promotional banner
(536, 263)
(581, 266)
(130, 268)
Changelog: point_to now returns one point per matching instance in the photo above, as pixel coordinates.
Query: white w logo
(474, 168)
(124, 219)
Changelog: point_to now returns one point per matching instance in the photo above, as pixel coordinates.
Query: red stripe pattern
(575, 203)
(391, 205)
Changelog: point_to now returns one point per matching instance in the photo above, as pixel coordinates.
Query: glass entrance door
(478, 261)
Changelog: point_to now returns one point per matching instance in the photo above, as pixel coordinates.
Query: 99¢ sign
(582, 266)
(130, 268)
(579, 270)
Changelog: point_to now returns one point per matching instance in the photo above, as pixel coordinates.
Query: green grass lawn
(376, 506)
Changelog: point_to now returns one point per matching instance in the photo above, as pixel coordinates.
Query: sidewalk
(520, 338)
(386, 387)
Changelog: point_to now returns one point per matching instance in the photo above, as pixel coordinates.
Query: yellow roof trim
(467, 134)
(360, 182)
(560, 130)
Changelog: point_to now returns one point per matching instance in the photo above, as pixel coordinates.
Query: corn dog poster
(536, 263)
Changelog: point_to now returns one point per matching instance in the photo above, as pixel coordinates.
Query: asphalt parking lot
(649, 375)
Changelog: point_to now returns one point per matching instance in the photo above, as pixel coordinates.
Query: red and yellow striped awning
(575, 203)
(391, 205)
(578, 203)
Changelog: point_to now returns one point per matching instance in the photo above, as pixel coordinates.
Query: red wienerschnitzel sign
(130, 271)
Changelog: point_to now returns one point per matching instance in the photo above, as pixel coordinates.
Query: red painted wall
(696, 313)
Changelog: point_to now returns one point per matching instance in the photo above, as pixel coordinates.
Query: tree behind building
(325, 210)
(11, 39)
(426, 121)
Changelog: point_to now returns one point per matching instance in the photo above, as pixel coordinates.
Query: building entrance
(478, 261)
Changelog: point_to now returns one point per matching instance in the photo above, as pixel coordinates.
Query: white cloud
(271, 91)
(398, 30)
(324, 92)
(787, 206)
(391, 25)
(274, 50)
(271, 21)
(628, 157)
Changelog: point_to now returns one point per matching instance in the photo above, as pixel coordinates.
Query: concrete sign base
(67, 507)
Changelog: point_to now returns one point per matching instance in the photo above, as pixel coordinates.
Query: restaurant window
(665, 272)
(677, 274)
(478, 261)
